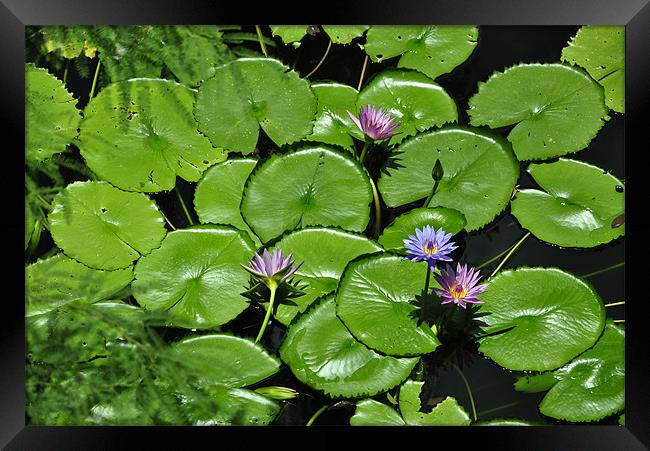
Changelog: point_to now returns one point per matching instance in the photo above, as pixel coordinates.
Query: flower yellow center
(430, 248)
(458, 291)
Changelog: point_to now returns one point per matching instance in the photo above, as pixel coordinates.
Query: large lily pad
(546, 317)
(311, 186)
(250, 93)
(196, 276)
(324, 253)
(373, 300)
(556, 109)
(104, 227)
(140, 134)
(580, 206)
(323, 354)
(433, 50)
(480, 173)
(51, 118)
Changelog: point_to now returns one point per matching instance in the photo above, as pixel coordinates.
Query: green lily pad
(415, 101)
(218, 194)
(250, 93)
(104, 227)
(373, 413)
(621, 420)
(373, 300)
(323, 354)
(344, 34)
(433, 50)
(226, 359)
(480, 173)
(51, 118)
(196, 276)
(507, 422)
(553, 316)
(451, 221)
(140, 134)
(56, 281)
(311, 186)
(579, 207)
(556, 109)
(324, 253)
(446, 413)
(234, 406)
(333, 124)
(600, 50)
(289, 33)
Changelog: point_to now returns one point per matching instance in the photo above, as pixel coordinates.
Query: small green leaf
(344, 34)
(373, 413)
(535, 383)
(333, 124)
(446, 413)
(289, 33)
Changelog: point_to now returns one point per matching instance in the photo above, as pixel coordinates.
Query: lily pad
(579, 207)
(323, 354)
(51, 118)
(433, 50)
(250, 93)
(104, 227)
(140, 134)
(373, 300)
(451, 221)
(344, 34)
(289, 33)
(373, 413)
(446, 413)
(219, 192)
(480, 173)
(556, 109)
(311, 186)
(507, 422)
(56, 281)
(546, 317)
(415, 101)
(333, 124)
(196, 276)
(601, 51)
(234, 406)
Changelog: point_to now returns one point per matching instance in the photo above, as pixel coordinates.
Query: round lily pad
(104, 227)
(580, 207)
(392, 239)
(480, 173)
(250, 93)
(374, 301)
(140, 134)
(324, 253)
(53, 282)
(289, 33)
(373, 413)
(323, 354)
(433, 50)
(545, 317)
(219, 192)
(601, 51)
(311, 186)
(556, 109)
(196, 276)
(446, 413)
(51, 118)
(333, 124)
(344, 34)
(415, 101)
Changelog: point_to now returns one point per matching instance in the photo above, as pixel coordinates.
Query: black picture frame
(16, 14)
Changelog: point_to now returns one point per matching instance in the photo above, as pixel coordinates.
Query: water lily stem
(363, 72)
(433, 191)
(496, 257)
(168, 221)
(329, 45)
(262, 45)
(469, 390)
(615, 303)
(187, 213)
(509, 254)
(619, 320)
(363, 151)
(317, 414)
(269, 309)
(427, 280)
(375, 198)
(609, 268)
(496, 409)
(65, 71)
(92, 88)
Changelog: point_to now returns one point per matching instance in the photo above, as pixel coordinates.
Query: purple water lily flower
(460, 286)
(375, 124)
(272, 270)
(429, 245)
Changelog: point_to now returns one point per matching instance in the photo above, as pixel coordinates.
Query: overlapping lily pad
(344, 34)
(311, 186)
(556, 109)
(412, 98)
(374, 413)
(196, 276)
(581, 205)
(140, 134)
(250, 93)
(374, 301)
(289, 34)
(104, 227)
(480, 173)
(545, 317)
(236, 406)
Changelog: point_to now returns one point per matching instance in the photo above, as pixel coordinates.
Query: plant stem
(496, 257)
(433, 191)
(469, 390)
(512, 251)
(617, 265)
(363, 72)
(317, 414)
(65, 72)
(375, 198)
(427, 280)
(363, 151)
(329, 45)
(262, 45)
(269, 309)
(619, 320)
(92, 88)
(495, 409)
(168, 221)
(614, 304)
(187, 213)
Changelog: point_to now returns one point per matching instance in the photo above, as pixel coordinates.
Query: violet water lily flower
(272, 270)
(460, 286)
(429, 245)
(375, 124)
